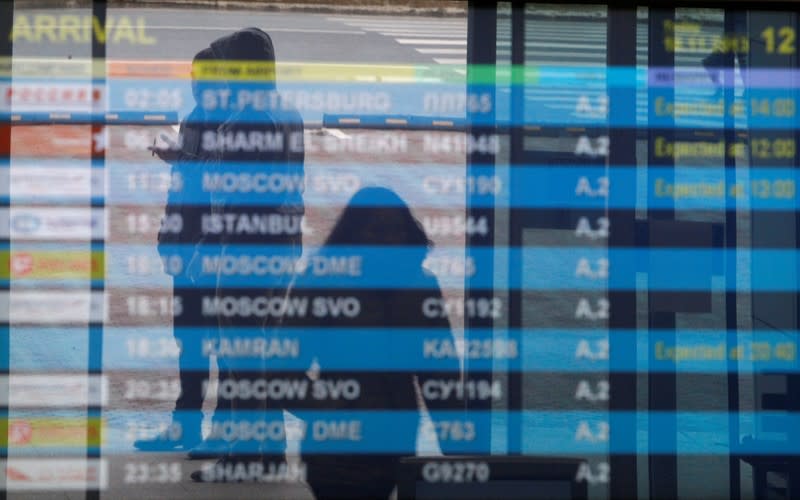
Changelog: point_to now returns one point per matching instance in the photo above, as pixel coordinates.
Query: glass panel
(398, 249)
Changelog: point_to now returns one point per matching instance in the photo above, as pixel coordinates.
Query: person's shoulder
(430, 281)
(198, 113)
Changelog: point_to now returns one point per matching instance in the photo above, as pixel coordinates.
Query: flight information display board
(520, 251)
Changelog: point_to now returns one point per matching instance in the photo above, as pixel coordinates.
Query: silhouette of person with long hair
(379, 226)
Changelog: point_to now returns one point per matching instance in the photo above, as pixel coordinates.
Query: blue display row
(209, 266)
(457, 432)
(696, 103)
(376, 349)
(438, 186)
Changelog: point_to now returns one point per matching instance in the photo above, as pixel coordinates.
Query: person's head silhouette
(377, 216)
(248, 52)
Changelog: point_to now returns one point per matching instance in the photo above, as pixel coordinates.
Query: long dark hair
(367, 204)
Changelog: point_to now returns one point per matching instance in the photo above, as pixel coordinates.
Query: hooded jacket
(226, 157)
(253, 222)
(246, 46)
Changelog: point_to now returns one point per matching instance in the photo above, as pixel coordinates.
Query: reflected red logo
(20, 432)
(22, 264)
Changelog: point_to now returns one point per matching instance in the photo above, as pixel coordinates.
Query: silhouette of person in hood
(253, 140)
